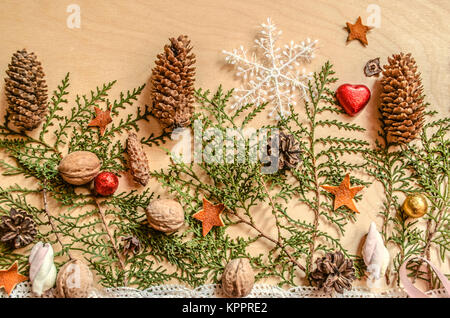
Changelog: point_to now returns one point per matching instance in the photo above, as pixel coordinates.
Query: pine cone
(288, 151)
(173, 84)
(17, 229)
(333, 272)
(26, 91)
(131, 244)
(138, 160)
(401, 99)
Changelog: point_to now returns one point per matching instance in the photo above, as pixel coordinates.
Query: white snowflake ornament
(277, 78)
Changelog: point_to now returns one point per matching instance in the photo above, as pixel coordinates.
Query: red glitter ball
(106, 183)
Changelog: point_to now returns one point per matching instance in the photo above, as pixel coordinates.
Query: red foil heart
(353, 98)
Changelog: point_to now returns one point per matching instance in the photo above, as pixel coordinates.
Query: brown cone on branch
(288, 151)
(26, 91)
(173, 84)
(402, 106)
(138, 160)
(17, 229)
(333, 273)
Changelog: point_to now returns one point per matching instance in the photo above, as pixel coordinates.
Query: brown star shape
(209, 216)
(101, 120)
(10, 277)
(358, 31)
(344, 194)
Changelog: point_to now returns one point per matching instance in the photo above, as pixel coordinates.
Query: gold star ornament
(10, 277)
(101, 120)
(358, 31)
(343, 194)
(209, 216)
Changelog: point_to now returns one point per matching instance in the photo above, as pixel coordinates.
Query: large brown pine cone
(17, 229)
(402, 107)
(173, 84)
(26, 91)
(333, 272)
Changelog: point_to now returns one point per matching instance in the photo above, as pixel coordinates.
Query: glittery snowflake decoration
(275, 78)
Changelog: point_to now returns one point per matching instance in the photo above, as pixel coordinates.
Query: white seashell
(375, 254)
(42, 268)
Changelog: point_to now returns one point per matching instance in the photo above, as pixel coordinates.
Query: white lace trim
(23, 290)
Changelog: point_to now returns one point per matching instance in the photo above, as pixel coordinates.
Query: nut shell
(238, 278)
(165, 215)
(79, 167)
(74, 280)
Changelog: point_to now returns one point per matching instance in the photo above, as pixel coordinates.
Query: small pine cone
(138, 160)
(333, 272)
(288, 151)
(173, 84)
(402, 107)
(26, 91)
(18, 229)
(131, 244)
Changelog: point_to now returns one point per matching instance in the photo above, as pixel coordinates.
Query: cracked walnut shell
(165, 215)
(74, 280)
(238, 278)
(79, 167)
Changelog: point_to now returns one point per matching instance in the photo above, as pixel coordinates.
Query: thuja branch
(112, 240)
(277, 242)
(53, 226)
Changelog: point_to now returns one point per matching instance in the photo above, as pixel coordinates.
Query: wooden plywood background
(119, 40)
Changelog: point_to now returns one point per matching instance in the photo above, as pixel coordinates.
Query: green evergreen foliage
(93, 227)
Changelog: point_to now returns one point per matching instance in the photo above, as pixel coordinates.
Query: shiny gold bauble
(415, 205)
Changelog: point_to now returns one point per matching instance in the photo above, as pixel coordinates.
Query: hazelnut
(165, 215)
(238, 278)
(74, 280)
(79, 167)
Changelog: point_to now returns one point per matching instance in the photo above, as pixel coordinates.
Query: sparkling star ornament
(343, 194)
(209, 216)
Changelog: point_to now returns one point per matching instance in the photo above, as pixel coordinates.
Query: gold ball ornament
(415, 205)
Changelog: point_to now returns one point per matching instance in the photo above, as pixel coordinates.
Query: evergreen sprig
(82, 224)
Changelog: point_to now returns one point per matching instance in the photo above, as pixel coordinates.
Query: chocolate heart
(353, 98)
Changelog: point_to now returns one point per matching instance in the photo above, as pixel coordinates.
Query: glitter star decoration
(357, 31)
(344, 194)
(101, 120)
(270, 73)
(209, 216)
(10, 277)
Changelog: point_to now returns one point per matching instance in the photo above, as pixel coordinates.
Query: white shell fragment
(375, 254)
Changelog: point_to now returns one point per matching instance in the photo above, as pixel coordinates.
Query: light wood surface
(120, 40)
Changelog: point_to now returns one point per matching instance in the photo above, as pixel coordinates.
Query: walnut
(165, 215)
(238, 278)
(74, 280)
(79, 167)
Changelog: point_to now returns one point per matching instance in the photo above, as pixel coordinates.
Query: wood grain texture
(120, 40)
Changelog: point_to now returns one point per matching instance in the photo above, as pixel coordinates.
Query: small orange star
(9, 278)
(101, 120)
(210, 216)
(358, 31)
(344, 194)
